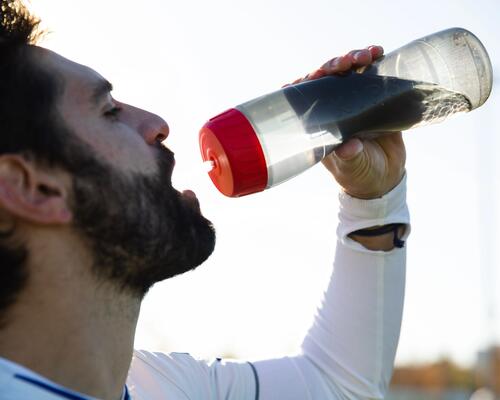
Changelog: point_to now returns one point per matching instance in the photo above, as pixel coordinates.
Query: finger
(336, 65)
(355, 58)
(393, 145)
(348, 160)
(376, 51)
(360, 58)
(349, 150)
(318, 73)
(390, 139)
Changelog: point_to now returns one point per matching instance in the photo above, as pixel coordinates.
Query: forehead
(79, 80)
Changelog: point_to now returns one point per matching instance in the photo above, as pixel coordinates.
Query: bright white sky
(257, 294)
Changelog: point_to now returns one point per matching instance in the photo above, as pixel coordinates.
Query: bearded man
(89, 221)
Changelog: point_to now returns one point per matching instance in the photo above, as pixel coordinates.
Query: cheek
(121, 147)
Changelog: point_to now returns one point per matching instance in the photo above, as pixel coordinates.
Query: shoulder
(181, 376)
(17, 383)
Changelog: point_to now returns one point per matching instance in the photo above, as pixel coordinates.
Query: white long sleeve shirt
(347, 354)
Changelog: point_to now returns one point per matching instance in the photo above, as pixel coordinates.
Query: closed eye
(113, 112)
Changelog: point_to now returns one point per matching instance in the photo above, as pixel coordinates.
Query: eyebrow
(101, 89)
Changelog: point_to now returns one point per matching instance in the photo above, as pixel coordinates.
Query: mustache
(166, 160)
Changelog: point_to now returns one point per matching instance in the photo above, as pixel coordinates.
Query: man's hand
(365, 169)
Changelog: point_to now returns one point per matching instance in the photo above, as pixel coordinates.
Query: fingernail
(359, 147)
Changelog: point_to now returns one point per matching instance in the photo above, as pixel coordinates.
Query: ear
(33, 194)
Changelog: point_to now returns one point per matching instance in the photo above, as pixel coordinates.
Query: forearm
(354, 338)
(356, 331)
(349, 351)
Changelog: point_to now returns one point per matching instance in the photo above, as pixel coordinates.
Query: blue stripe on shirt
(257, 385)
(59, 391)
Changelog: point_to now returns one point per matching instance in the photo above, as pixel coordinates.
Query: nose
(151, 127)
(154, 129)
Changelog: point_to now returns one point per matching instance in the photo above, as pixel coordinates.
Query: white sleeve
(349, 351)
(179, 376)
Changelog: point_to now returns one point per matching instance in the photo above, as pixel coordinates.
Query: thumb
(349, 150)
(346, 159)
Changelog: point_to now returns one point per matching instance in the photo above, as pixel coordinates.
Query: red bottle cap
(230, 142)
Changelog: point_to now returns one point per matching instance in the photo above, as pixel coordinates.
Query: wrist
(378, 191)
(357, 214)
(380, 238)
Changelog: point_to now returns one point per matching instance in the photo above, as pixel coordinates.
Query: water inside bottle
(360, 105)
(301, 124)
(439, 103)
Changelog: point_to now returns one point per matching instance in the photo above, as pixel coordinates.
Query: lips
(167, 164)
(190, 198)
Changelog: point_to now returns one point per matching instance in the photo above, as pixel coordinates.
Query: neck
(72, 330)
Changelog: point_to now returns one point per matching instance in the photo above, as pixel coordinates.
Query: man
(89, 221)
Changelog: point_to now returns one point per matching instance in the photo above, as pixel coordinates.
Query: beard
(139, 228)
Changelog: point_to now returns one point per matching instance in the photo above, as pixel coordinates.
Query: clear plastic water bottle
(266, 141)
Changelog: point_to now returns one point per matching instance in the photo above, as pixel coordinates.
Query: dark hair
(27, 97)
